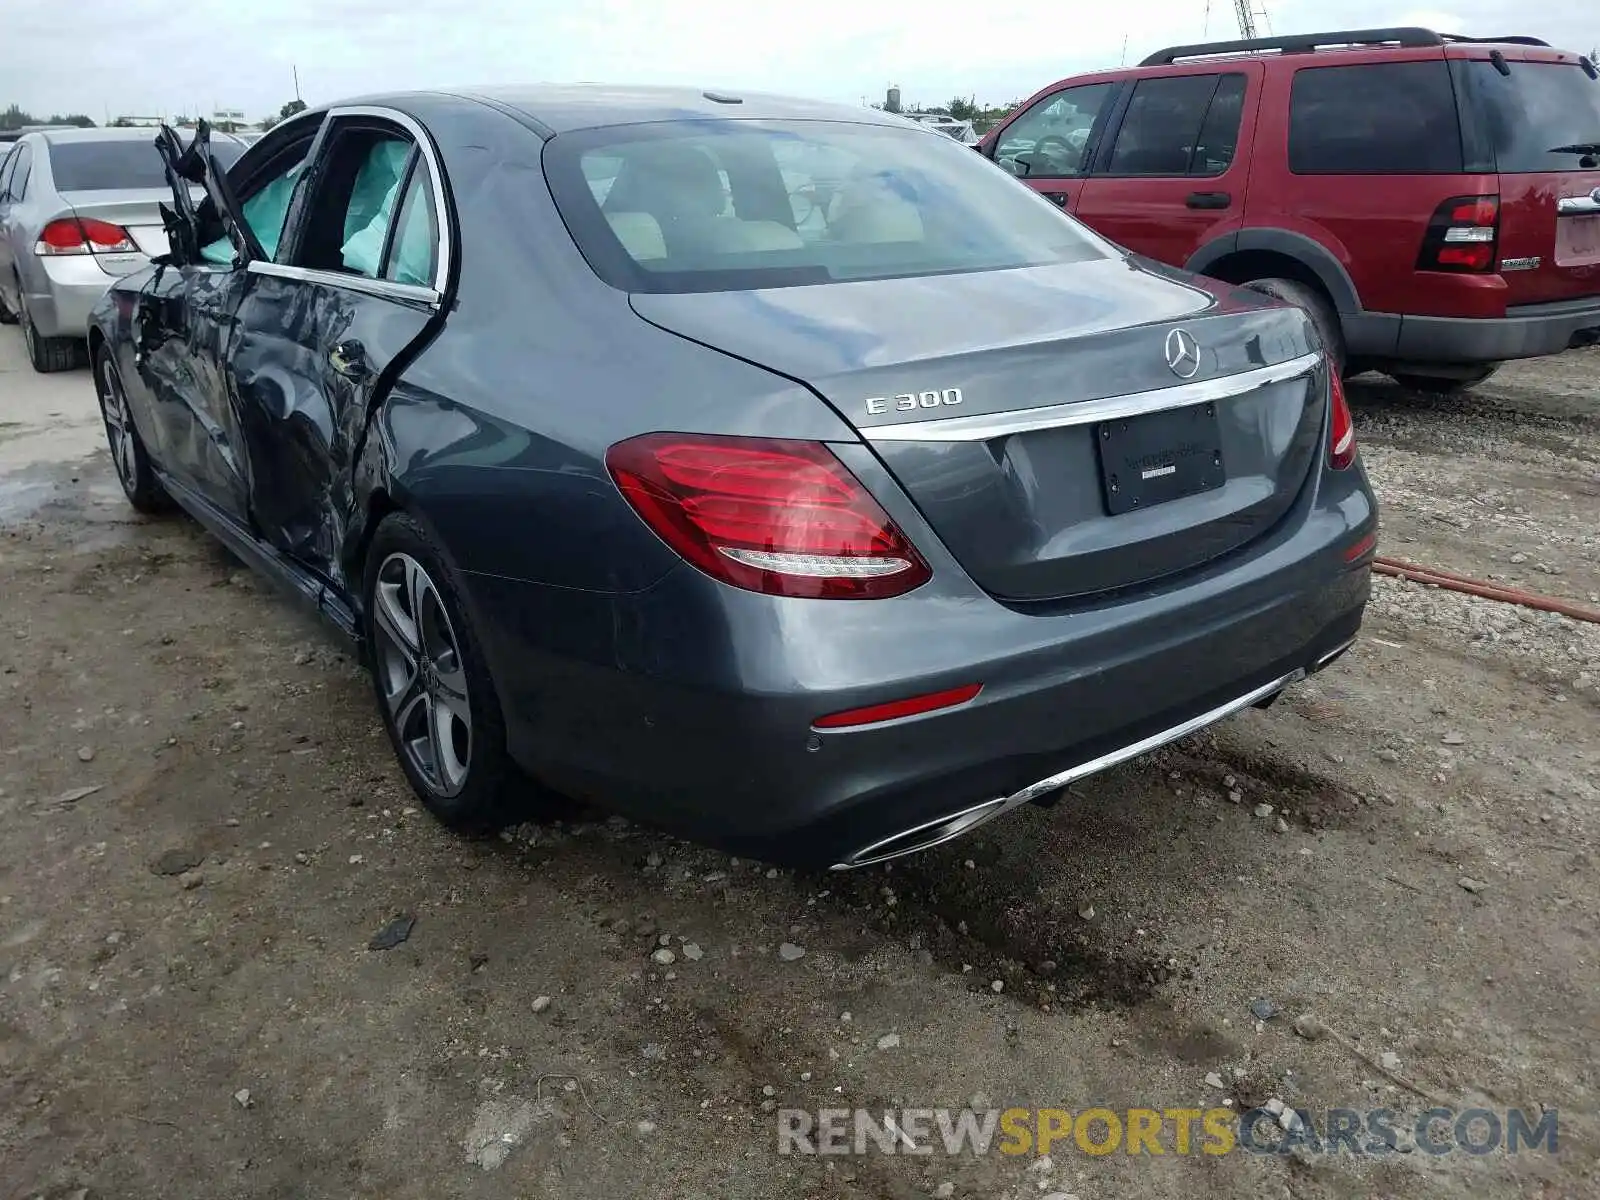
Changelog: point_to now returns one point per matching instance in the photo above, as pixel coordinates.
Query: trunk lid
(1007, 402)
(138, 210)
(1537, 113)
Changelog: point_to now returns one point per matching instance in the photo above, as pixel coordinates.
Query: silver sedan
(78, 209)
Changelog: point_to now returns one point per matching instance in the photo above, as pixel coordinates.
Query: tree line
(16, 117)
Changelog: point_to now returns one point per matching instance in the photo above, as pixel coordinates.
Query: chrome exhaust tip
(947, 828)
(924, 836)
(1331, 656)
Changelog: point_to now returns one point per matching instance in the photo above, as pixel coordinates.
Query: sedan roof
(563, 107)
(119, 133)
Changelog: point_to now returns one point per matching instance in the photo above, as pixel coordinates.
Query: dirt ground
(201, 827)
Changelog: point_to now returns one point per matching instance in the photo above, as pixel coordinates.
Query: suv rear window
(110, 165)
(1539, 106)
(707, 206)
(1374, 119)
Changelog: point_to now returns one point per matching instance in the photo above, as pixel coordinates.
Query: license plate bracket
(1578, 241)
(1158, 457)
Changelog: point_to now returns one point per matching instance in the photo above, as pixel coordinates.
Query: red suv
(1433, 201)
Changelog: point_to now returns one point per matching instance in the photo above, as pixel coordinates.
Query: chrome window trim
(1087, 412)
(442, 264)
(386, 289)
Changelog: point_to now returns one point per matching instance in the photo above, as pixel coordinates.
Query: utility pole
(296, 71)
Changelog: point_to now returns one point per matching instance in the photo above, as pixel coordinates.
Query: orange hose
(1450, 581)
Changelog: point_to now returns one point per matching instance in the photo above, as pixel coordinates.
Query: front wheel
(1440, 385)
(128, 455)
(437, 700)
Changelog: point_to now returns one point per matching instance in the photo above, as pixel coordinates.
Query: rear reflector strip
(1360, 548)
(910, 707)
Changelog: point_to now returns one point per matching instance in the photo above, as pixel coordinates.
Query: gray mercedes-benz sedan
(770, 471)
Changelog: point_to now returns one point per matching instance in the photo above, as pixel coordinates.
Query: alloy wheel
(119, 424)
(421, 673)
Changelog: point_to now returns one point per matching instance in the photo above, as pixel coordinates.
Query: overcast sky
(161, 57)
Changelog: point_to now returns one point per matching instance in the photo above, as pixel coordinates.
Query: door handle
(349, 358)
(1059, 199)
(1209, 200)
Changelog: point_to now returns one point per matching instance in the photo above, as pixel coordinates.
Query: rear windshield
(1536, 109)
(113, 165)
(725, 205)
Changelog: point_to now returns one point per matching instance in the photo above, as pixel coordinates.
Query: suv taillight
(782, 517)
(83, 235)
(1462, 235)
(1342, 427)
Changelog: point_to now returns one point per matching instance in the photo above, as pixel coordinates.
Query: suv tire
(1440, 385)
(1316, 306)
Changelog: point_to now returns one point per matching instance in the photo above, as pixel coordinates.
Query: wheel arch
(1253, 254)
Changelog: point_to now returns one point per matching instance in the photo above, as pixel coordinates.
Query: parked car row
(78, 208)
(788, 476)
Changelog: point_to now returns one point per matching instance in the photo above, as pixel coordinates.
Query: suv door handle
(349, 358)
(1059, 199)
(1209, 200)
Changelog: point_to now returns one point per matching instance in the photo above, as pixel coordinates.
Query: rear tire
(47, 354)
(434, 692)
(1439, 385)
(1316, 306)
(128, 455)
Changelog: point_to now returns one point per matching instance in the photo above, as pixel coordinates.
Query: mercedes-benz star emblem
(1183, 354)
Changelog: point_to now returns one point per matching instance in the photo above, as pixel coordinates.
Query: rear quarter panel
(1372, 224)
(496, 434)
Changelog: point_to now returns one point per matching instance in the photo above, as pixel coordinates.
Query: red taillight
(1463, 234)
(874, 713)
(1341, 428)
(83, 235)
(782, 517)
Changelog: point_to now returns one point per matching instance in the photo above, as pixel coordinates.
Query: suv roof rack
(1405, 35)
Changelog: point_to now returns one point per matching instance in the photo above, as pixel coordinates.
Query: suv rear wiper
(1576, 148)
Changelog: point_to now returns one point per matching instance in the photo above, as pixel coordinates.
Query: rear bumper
(1526, 331)
(711, 736)
(68, 288)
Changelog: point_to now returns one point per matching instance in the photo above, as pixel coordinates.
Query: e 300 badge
(908, 401)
